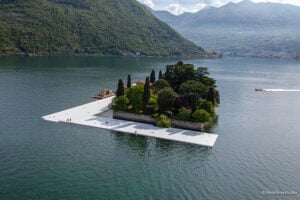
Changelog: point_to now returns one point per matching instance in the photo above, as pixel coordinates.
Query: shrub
(163, 121)
(209, 107)
(201, 115)
(120, 103)
(152, 106)
(183, 114)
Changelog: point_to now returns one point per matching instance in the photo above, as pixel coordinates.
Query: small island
(182, 97)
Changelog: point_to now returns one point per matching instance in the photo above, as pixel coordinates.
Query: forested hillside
(104, 27)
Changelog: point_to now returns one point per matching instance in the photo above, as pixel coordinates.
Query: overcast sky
(180, 6)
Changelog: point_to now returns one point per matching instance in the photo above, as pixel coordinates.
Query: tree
(179, 73)
(201, 74)
(120, 90)
(166, 98)
(146, 94)
(128, 81)
(193, 87)
(160, 84)
(213, 96)
(160, 76)
(152, 76)
(134, 94)
(120, 103)
(201, 116)
(193, 101)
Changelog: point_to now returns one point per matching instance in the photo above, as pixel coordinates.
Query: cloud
(293, 2)
(149, 3)
(198, 7)
(180, 6)
(177, 8)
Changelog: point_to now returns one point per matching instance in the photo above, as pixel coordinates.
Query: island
(176, 107)
(182, 97)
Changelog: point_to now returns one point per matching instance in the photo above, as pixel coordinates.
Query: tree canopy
(166, 98)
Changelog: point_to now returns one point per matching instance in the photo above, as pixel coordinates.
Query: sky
(180, 6)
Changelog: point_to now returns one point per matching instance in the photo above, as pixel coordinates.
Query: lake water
(258, 148)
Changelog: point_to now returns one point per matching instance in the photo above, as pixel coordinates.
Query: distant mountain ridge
(245, 28)
(105, 27)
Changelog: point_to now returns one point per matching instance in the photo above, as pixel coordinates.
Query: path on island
(85, 115)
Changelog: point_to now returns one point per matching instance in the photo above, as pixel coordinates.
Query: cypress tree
(146, 94)
(152, 76)
(128, 81)
(211, 96)
(160, 76)
(193, 101)
(120, 90)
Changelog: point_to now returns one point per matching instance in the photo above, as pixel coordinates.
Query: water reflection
(134, 142)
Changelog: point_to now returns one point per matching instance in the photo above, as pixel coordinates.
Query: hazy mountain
(245, 28)
(109, 27)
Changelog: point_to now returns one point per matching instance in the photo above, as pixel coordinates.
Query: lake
(257, 151)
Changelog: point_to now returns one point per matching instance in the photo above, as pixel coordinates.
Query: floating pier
(86, 115)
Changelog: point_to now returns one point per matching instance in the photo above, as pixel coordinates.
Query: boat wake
(277, 90)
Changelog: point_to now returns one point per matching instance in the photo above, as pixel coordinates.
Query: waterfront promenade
(86, 115)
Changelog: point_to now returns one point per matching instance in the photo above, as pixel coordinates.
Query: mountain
(243, 29)
(105, 27)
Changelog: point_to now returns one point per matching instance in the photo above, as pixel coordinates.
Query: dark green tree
(160, 84)
(178, 74)
(166, 98)
(193, 87)
(152, 76)
(146, 94)
(193, 101)
(213, 96)
(201, 74)
(120, 90)
(160, 76)
(128, 81)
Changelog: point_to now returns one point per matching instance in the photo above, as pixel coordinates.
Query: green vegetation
(201, 116)
(102, 27)
(120, 103)
(166, 98)
(120, 90)
(184, 94)
(163, 121)
(128, 81)
(146, 94)
(152, 76)
(183, 114)
(160, 84)
(135, 94)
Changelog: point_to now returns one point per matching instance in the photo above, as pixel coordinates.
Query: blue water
(257, 149)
